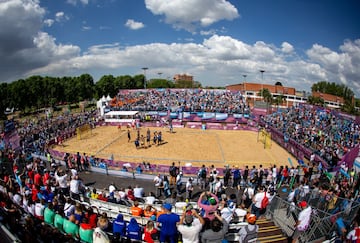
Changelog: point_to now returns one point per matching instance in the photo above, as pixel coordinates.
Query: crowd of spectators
(192, 100)
(36, 134)
(318, 129)
(38, 193)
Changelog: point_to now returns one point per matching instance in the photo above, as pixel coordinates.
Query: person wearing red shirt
(149, 232)
(46, 177)
(37, 179)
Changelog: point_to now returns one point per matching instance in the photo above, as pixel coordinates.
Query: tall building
(183, 77)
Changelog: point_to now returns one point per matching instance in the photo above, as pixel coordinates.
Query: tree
(312, 100)
(278, 100)
(267, 96)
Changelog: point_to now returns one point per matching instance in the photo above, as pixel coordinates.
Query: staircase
(268, 232)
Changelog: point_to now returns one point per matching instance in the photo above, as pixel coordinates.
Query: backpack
(251, 235)
(264, 201)
(245, 195)
(173, 170)
(203, 173)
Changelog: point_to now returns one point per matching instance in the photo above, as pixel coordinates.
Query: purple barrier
(196, 125)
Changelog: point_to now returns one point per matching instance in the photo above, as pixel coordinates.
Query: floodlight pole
(262, 82)
(144, 69)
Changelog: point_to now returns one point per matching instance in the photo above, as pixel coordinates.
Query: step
(278, 240)
(270, 233)
(271, 238)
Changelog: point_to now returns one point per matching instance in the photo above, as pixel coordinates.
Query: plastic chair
(86, 235)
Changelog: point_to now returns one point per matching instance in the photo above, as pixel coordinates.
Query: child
(150, 232)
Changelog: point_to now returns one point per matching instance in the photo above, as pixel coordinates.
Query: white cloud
(189, 14)
(74, 2)
(220, 59)
(86, 28)
(60, 17)
(49, 22)
(132, 24)
(287, 47)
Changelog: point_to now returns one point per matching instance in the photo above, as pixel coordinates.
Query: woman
(150, 232)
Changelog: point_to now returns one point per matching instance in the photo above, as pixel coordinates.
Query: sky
(219, 42)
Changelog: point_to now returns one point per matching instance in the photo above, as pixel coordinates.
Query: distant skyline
(296, 42)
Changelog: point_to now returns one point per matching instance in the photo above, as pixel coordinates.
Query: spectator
(133, 230)
(249, 233)
(167, 222)
(217, 231)
(99, 235)
(150, 199)
(149, 211)
(150, 232)
(119, 227)
(303, 221)
(138, 192)
(173, 171)
(188, 228)
(136, 210)
(189, 188)
(257, 202)
(354, 234)
(209, 203)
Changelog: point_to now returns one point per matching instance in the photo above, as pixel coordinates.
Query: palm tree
(279, 100)
(267, 97)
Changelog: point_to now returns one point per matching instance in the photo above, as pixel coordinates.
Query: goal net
(265, 138)
(83, 131)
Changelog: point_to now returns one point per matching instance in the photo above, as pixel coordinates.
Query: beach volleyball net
(265, 138)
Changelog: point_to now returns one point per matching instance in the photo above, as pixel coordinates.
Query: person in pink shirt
(209, 202)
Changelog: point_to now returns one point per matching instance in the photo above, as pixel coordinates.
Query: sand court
(218, 147)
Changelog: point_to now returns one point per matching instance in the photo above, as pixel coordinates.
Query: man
(138, 192)
(173, 171)
(136, 210)
(354, 234)
(303, 222)
(188, 228)
(189, 188)
(202, 176)
(75, 187)
(158, 184)
(227, 175)
(167, 222)
(218, 229)
(249, 233)
(257, 208)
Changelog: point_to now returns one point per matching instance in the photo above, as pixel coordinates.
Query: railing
(323, 221)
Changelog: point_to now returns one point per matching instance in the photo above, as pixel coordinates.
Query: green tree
(312, 100)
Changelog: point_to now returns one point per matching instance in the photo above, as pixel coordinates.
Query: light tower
(144, 69)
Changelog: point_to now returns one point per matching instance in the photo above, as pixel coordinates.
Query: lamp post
(244, 75)
(262, 82)
(144, 69)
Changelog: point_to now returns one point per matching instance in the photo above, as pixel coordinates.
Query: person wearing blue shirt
(167, 223)
(133, 230)
(119, 226)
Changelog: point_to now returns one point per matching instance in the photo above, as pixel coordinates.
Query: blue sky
(296, 42)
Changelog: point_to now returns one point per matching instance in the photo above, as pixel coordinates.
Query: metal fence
(323, 221)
